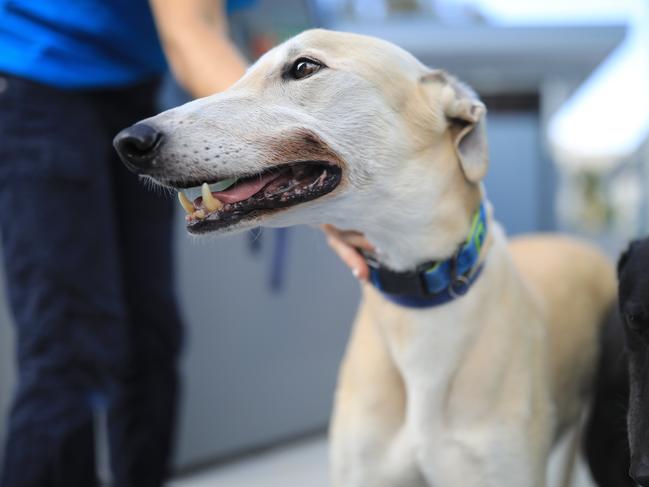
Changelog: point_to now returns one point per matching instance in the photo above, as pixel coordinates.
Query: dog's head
(326, 128)
(633, 272)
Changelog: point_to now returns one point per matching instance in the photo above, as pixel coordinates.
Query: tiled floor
(298, 465)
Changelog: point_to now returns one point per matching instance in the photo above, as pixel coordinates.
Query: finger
(330, 230)
(357, 240)
(350, 257)
(350, 237)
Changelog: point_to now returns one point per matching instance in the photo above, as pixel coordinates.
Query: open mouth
(215, 205)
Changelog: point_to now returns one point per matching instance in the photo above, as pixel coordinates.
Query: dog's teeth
(199, 214)
(209, 201)
(185, 203)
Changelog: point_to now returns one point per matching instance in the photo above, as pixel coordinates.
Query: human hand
(346, 244)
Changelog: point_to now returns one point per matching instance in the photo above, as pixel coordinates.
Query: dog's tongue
(244, 190)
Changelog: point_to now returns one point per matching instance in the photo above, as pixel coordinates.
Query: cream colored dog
(350, 130)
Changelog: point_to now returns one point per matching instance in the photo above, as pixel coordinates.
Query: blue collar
(435, 283)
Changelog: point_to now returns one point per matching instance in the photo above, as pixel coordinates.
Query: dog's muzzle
(138, 146)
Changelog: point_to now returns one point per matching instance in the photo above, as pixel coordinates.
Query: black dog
(633, 272)
(623, 377)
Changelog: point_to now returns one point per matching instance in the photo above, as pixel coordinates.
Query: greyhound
(470, 356)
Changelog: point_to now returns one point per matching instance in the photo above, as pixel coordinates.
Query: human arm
(194, 37)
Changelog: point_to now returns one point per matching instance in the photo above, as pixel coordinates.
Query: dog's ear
(465, 114)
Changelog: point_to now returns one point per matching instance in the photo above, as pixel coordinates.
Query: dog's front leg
(480, 459)
(494, 450)
(367, 445)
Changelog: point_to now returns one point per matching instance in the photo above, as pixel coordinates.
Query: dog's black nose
(639, 471)
(137, 146)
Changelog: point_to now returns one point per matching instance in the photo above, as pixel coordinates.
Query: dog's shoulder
(562, 257)
(565, 268)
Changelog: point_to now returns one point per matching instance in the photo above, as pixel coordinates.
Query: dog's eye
(303, 68)
(635, 320)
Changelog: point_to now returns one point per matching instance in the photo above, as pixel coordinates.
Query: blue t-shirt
(82, 43)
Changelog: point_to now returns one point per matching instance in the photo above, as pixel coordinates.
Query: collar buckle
(458, 284)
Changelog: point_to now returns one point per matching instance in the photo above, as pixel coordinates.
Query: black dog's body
(606, 442)
(617, 434)
(633, 274)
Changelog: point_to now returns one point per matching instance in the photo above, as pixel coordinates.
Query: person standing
(87, 250)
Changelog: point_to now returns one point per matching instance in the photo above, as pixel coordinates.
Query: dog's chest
(427, 345)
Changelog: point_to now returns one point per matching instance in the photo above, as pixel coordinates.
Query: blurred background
(566, 83)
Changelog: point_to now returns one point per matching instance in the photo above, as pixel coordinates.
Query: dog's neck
(410, 236)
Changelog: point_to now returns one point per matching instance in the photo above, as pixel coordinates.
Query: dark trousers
(88, 259)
